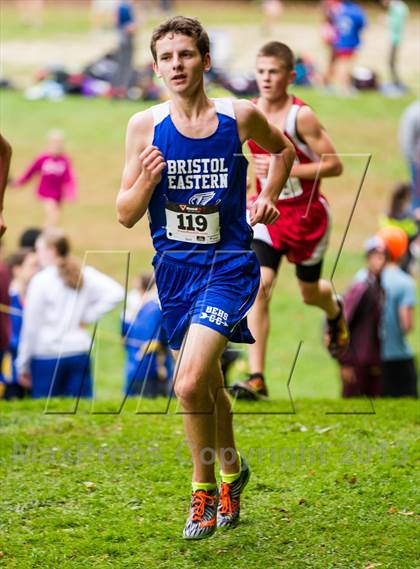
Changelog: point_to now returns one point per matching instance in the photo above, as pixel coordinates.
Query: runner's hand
(262, 165)
(263, 211)
(152, 165)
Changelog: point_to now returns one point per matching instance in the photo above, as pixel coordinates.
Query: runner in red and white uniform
(302, 230)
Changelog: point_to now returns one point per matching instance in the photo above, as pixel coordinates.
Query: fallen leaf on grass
(393, 510)
(1, 554)
(406, 513)
(298, 427)
(91, 486)
(134, 504)
(302, 501)
(350, 479)
(321, 430)
(372, 565)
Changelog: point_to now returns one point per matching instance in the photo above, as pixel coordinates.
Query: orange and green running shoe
(230, 498)
(253, 388)
(202, 520)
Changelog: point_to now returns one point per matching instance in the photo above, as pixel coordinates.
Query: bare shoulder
(244, 110)
(141, 122)
(307, 120)
(139, 133)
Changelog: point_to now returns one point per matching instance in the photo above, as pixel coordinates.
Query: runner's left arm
(316, 137)
(252, 124)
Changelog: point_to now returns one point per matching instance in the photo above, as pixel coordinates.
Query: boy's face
(179, 63)
(273, 77)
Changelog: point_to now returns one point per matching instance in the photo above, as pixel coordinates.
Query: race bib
(192, 224)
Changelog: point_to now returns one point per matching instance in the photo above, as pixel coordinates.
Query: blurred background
(59, 60)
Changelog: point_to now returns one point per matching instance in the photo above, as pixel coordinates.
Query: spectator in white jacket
(62, 299)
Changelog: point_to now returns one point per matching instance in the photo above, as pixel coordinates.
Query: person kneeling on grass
(149, 363)
(53, 355)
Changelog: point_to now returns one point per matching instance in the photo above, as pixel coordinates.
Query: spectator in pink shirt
(56, 180)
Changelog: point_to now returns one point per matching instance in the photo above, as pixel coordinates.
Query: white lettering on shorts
(215, 315)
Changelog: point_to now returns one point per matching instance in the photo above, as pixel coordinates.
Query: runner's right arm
(252, 124)
(143, 168)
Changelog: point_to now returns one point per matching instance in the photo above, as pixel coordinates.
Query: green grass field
(334, 482)
(327, 491)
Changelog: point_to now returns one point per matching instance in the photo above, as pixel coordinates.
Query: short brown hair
(185, 26)
(280, 51)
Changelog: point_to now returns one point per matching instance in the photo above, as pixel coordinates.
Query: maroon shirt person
(360, 365)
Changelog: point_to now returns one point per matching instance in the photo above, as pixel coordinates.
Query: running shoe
(337, 336)
(201, 522)
(254, 388)
(230, 498)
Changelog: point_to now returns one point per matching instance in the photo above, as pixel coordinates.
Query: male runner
(302, 229)
(184, 164)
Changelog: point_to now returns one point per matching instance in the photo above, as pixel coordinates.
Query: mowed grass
(328, 491)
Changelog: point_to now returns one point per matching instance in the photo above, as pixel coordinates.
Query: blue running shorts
(218, 296)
